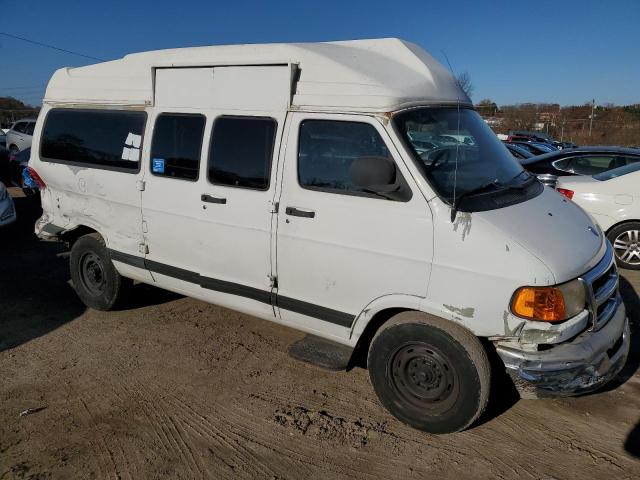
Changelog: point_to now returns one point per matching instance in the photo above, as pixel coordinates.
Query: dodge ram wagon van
(323, 186)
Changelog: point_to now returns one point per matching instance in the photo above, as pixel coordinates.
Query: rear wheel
(95, 279)
(14, 149)
(625, 239)
(429, 373)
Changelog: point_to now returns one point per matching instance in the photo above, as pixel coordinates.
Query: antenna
(455, 171)
(448, 62)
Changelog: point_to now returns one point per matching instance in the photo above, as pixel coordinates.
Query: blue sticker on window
(157, 165)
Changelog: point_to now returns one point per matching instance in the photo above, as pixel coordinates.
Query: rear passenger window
(241, 151)
(327, 149)
(176, 146)
(19, 127)
(29, 128)
(107, 139)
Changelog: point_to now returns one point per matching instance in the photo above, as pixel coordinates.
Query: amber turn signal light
(539, 303)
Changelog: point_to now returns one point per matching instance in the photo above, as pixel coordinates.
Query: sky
(562, 51)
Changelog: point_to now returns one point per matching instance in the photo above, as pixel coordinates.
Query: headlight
(3, 192)
(549, 304)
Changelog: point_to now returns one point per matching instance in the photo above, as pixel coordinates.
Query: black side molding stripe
(170, 271)
(236, 289)
(316, 311)
(127, 258)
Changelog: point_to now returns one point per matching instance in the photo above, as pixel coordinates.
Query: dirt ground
(171, 387)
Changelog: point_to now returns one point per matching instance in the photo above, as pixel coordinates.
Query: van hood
(554, 229)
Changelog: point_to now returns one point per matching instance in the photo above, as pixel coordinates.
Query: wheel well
(359, 355)
(71, 236)
(620, 223)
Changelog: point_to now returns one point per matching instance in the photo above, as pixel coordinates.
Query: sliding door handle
(299, 212)
(209, 199)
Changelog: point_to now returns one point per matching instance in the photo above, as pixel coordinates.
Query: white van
(282, 181)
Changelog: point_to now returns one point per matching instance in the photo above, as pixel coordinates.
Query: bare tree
(463, 80)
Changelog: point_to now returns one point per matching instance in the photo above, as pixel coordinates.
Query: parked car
(579, 161)
(252, 189)
(3, 139)
(526, 136)
(613, 199)
(7, 209)
(20, 135)
(535, 148)
(519, 152)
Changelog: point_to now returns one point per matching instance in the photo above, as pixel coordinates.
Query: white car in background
(20, 135)
(613, 199)
(7, 209)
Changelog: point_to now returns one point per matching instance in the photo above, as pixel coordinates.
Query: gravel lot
(175, 388)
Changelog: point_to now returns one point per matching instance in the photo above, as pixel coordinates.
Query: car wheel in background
(429, 373)
(14, 149)
(625, 239)
(95, 279)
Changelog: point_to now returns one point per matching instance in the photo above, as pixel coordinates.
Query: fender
(377, 305)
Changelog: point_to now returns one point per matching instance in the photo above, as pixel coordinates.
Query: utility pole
(593, 104)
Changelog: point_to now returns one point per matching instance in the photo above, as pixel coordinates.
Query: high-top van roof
(378, 75)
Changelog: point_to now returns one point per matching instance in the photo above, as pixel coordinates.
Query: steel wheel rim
(627, 247)
(423, 377)
(92, 273)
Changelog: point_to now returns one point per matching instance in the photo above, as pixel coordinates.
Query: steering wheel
(437, 157)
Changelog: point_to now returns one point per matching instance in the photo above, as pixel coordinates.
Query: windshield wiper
(494, 185)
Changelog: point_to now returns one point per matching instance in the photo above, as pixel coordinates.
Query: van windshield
(462, 158)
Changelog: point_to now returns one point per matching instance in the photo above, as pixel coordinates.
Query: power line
(50, 46)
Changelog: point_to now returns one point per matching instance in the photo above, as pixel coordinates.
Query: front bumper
(582, 365)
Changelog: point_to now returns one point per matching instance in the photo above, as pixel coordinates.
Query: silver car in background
(7, 209)
(20, 135)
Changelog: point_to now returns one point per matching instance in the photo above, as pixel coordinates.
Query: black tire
(95, 279)
(625, 239)
(429, 373)
(14, 149)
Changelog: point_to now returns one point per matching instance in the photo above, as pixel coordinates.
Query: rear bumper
(582, 365)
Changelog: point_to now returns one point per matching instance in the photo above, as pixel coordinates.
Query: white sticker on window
(136, 140)
(125, 153)
(134, 154)
(129, 140)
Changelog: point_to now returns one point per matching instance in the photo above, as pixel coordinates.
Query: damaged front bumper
(582, 365)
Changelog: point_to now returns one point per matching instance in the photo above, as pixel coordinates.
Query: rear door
(339, 247)
(209, 235)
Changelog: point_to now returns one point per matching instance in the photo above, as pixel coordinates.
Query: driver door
(339, 247)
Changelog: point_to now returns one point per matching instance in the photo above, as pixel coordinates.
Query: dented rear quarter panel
(104, 200)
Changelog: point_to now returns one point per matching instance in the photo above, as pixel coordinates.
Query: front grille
(601, 287)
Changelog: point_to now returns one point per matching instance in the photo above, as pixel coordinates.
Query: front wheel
(625, 239)
(95, 279)
(429, 373)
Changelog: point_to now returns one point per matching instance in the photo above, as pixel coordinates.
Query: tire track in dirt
(149, 396)
(157, 418)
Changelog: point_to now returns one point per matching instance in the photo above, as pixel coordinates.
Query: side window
(328, 148)
(29, 127)
(564, 164)
(241, 151)
(176, 145)
(19, 127)
(592, 164)
(106, 139)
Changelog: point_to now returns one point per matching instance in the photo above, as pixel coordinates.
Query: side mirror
(376, 174)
